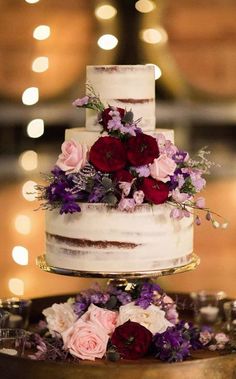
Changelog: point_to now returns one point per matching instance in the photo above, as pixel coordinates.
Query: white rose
(59, 317)
(152, 318)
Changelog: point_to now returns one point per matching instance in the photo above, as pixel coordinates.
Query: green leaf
(128, 117)
(107, 183)
(110, 198)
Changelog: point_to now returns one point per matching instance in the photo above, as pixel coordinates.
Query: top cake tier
(127, 86)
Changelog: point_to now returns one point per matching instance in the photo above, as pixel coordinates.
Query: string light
(105, 12)
(42, 32)
(16, 286)
(40, 64)
(30, 96)
(28, 190)
(29, 160)
(23, 224)
(20, 255)
(107, 42)
(157, 70)
(145, 6)
(154, 36)
(35, 128)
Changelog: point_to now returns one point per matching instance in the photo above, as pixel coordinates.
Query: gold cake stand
(42, 264)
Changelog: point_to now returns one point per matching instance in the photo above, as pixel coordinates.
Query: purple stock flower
(171, 346)
(147, 294)
(142, 171)
(180, 156)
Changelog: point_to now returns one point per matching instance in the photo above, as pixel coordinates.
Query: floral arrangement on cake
(120, 323)
(126, 168)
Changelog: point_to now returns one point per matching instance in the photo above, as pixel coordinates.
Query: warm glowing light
(105, 12)
(35, 128)
(153, 36)
(29, 160)
(32, 1)
(30, 96)
(23, 224)
(42, 32)
(40, 64)
(16, 286)
(145, 6)
(20, 255)
(107, 42)
(28, 190)
(157, 70)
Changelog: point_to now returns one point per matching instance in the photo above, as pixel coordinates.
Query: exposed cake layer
(126, 86)
(83, 136)
(102, 238)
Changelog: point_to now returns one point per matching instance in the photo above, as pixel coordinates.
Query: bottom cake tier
(102, 238)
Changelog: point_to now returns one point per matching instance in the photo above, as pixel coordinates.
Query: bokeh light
(42, 32)
(107, 42)
(23, 224)
(20, 255)
(16, 286)
(154, 35)
(28, 190)
(30, 96)
(35, 128)
(29, 160)
(40, 64)
(145, 6)
(105, 12)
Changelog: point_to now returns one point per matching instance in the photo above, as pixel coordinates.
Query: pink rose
(162, 167)
(105, 318)
(86, 340)
(73, 157)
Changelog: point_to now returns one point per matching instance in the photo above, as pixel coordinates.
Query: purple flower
(171, 346)
(142, 171)
(81, 102)
(147, 294)
(180, 156)
(197, 181)
(70, 207)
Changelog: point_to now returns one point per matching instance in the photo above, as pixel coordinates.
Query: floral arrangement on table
(120, 323)
(125, 168)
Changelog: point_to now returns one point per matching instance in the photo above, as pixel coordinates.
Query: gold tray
(42, 264)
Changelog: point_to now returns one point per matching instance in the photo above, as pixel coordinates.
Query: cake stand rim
(42, 264)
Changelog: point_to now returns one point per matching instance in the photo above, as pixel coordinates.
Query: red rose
(108, 154)
(142, 149)
(123, 176)
(155, 191)
(132, 340)
(105, 117)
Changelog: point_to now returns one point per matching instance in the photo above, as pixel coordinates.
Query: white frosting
(83, 136)
(116, 241)
(130, 87)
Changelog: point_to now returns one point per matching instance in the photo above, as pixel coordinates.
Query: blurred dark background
(45, 46)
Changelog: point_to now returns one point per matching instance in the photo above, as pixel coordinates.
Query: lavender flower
(147, 294)
(171, 346)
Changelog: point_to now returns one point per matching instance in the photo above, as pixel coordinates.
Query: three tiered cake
(135, 232)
